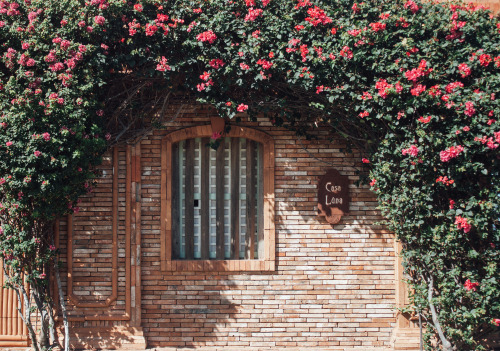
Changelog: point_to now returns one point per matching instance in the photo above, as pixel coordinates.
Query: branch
(446, 344)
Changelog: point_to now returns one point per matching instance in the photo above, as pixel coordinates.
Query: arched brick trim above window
(256, 258)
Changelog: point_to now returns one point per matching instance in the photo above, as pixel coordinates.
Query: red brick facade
(333, 285)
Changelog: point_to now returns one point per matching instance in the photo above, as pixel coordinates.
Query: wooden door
(13, 332)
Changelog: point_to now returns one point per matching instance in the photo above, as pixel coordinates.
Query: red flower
(265, 64)
(451, 152)
(412, 6)
(485, 60)
(162, 66)
(425, 119)
(151, 29)
(469, 109)
(317, 16)
(445, 180)
(412, 151)
(216, 63)
(464, 70)
(242, 108)
(37, 153)
(450, 88)
(365, 160)
(138, 7)
(415, 73)
(346, 52)
(470, 285)
(253, 14)
(377, 26)
(372, 183)
(419, 89)
(363, 114)
(462, 223)
(383, 88)
(366, 96)
(207, 36)
(496, 321)
(99, 20)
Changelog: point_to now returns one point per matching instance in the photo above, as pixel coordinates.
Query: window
(217, 205)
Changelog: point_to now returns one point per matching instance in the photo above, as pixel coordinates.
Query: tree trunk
(63, 307)
(446, 344)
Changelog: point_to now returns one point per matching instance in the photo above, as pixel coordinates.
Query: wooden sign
(333, 196)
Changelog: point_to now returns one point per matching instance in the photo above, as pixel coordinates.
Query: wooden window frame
(265, 263)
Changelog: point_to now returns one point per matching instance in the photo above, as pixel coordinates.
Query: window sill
(219, 266)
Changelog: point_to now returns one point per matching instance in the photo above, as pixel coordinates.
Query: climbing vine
(413, 85)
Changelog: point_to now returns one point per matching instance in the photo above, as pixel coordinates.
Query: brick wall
(333, 285)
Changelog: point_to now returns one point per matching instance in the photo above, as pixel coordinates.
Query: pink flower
(150, 29)
(366, 96)
(496, 321)
(207, 36)
(451, 152)
(425, 119)
(412, 151)
(216, 63)
(450, 88)
(469, 109)
(484, 60)
(464, 70)
(162, 66)
(138, 7)
(412, 6)
(346, 52)
(43, 275)
(419, 89)
(373, 182)
(216, 135)
(37, 153)
(452, 204)
(363, 114)
(317, 16)
(99, 20)
(445, 180)
(253, 14)
(244, 66)
(265, 64)
(462, 223)
(9, 143)
(415, 73)
(52, 248)
(470, 285)
(377, 26)
(242, 107)
(365, 160)
(383, 88)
